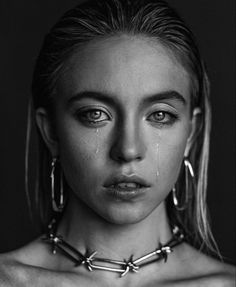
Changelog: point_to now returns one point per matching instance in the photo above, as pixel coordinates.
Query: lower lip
(126, 194)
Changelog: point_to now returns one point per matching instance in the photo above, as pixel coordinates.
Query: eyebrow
(167, 95)
(149, 99)
(100, 96)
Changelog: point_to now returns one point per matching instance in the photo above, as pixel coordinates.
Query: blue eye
(93, 116)
(162, 117)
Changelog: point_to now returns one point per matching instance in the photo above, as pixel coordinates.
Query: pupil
(160, 116)
(95, 114)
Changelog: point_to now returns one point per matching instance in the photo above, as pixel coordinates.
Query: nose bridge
(129, 143)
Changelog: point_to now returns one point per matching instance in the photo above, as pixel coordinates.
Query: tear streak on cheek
(157, 160)
(97, 142)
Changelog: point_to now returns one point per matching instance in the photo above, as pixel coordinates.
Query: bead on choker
(92, 262)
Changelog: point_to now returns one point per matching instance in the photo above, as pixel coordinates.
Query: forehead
(125, 66)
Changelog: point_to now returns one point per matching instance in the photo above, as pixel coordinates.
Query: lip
(126, 179)
(123, 187)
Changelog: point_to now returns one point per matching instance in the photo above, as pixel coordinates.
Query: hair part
(94, 20)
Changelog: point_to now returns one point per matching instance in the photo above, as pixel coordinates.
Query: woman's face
(122, 123)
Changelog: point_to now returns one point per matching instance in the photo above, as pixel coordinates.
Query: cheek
(80, 155)
(171, 153)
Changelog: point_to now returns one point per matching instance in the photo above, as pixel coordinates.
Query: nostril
(124, 152)
(129, 156)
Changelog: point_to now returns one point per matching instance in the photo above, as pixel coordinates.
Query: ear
(47, 131)
(193, 133)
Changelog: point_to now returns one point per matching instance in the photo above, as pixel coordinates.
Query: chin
(125, 215)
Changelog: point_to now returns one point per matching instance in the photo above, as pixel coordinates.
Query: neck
(86, 230)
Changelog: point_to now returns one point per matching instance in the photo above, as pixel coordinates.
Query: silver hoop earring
(55, 206)
(188, 169)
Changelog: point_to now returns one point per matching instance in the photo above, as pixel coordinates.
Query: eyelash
(83, 116)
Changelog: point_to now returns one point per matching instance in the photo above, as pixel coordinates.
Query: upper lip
(126, 179)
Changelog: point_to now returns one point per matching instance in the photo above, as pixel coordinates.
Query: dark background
(23, 26)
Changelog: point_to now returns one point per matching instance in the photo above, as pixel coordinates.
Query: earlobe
(195, 117)
(47, 132)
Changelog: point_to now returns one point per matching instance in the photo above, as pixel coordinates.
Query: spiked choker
(92, 262)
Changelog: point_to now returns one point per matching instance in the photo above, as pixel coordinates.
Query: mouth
(126, 187)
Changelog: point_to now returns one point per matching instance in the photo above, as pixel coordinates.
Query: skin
(126, 138)
(124, 134)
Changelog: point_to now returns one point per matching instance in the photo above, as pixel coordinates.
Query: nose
(128, 144)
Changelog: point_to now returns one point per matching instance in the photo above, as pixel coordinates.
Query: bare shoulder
(204, 270)
(34, 265)
(33, 253)
(219, 274)
(12, 272)
(21, 267)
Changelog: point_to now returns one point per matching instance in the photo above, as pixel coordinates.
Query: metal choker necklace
(92, 262)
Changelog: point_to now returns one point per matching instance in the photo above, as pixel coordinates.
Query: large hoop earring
(55, 206)
(188, 169)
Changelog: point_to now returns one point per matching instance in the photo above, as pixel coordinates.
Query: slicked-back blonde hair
(154, 19)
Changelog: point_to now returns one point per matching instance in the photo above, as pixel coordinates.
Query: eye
(158, 116)
(162, 117)
(93, 116)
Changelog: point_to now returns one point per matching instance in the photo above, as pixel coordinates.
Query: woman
(121, 100)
